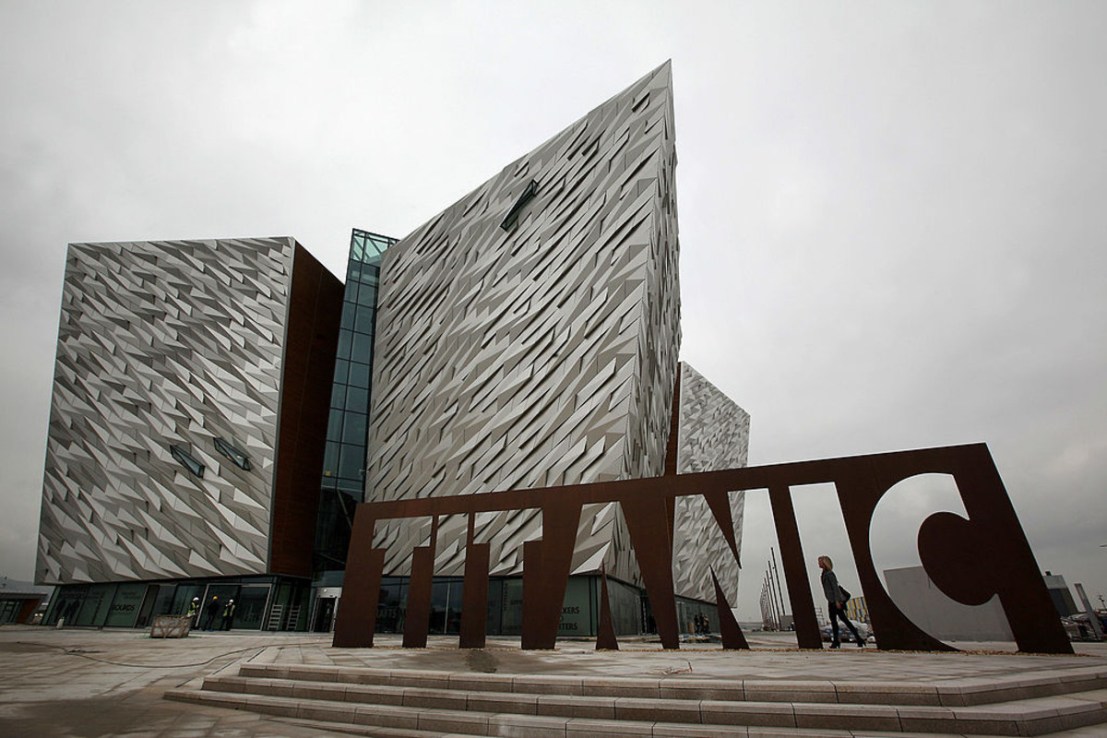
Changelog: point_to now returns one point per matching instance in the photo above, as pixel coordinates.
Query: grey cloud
(891, 214)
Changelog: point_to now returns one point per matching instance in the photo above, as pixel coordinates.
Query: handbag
(843, 594)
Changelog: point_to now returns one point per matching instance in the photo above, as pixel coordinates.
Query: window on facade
(513, 214)
(363, 347)
(357, 399)
(354, 432)
(349, 310)
(352, 462)
(237, 457)
(365, 317)
(188, 461)
(344, 339)
(334, 425)
(330, 459)
(359, 375)
(341, 368)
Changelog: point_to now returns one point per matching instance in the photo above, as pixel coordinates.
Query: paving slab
(88, 682)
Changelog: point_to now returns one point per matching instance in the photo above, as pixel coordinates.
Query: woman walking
(836, 603)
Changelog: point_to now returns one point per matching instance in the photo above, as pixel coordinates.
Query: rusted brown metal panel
(1001, 560)
(474, 600)
(357, 616)
(650, 532)
(605, 633)
(988, 554)
(729, 630)
(546, 565)
(719, 502)
(419, 586)
(672, 460)
(859, 490)
(314, 312)
(795, 570)
(417, 617)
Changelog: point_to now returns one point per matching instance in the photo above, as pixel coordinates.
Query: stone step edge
(580, 728)
(1028, 717)
(729, 731)
(375, 731)
(948, 693)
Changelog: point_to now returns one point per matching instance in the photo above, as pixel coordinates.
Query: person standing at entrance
(211, 611)
(836, 603)
(193, 609)
(228, 614)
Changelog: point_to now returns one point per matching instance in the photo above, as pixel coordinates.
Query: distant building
(19, 601)
(942, 617)
(857, 610)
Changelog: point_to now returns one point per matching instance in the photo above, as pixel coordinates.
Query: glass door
(250, 606)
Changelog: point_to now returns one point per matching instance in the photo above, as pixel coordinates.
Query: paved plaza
(78, 682)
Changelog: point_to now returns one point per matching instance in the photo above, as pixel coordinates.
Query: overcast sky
(892, 215)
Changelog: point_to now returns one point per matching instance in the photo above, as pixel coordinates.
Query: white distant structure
(946, 619)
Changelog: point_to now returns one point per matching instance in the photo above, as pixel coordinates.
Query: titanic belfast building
(221, 407)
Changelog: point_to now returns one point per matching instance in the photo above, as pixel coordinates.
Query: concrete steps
(413, 704)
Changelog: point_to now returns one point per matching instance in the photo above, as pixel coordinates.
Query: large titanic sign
(970, 559)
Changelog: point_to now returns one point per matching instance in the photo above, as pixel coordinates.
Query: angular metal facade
(532, 341)
(170, 344)
(527, 336)
(713, 433)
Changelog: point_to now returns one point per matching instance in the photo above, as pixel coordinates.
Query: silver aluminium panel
(714, 434)
(528, 335)
(161, 344)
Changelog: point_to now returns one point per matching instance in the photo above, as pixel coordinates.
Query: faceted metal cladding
(533, 341)
(713, 433)
(162, 344)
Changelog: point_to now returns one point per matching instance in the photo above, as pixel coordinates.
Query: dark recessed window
(238, 458)
(188, 461)
(513, 214)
